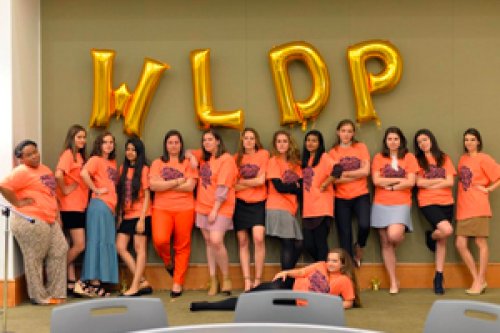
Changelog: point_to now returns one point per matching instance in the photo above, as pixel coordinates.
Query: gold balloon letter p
(202, 90)
(291, 110)
(365, 84)
(133, 106)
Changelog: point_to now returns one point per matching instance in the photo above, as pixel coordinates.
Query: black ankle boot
(438, 283)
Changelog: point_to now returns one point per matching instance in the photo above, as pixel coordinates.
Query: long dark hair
(97, 148)
(241, 149)
(436, 152)
(166, 157)
(319, 152)
(135, 185)
(402, 150)
(474, 132)
(69, 142)
(293, 153)
(341, 124)
(220, 150)
(348, 270)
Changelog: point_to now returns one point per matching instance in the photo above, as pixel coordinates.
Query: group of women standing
(257, 193)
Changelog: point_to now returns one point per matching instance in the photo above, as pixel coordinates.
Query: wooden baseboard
(17, 292)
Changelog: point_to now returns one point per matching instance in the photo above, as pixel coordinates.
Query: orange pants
(166, 224)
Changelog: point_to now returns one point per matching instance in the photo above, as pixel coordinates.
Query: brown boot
(226, 285)
(213, 286)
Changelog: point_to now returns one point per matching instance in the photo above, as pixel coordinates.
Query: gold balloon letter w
(133, 106)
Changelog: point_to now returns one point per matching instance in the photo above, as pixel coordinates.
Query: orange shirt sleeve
(65, 162)
(227, 172)
(490, 168)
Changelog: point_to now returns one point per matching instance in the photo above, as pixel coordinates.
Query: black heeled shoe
(175, 294)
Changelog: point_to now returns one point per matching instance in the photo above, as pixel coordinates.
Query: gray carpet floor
(405, 312)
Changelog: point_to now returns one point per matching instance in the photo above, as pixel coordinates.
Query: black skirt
(247, 215)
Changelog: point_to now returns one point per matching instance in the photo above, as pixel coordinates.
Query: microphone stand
(6, 211)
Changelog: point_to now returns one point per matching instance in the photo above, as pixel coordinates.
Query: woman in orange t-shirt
(134, 214)
(284, 185)
(393, 174)
(435, 199)
(173, 178)
(100, 263)
(31, 189)
(250, 211)
(215, 203)
(73, 195)
(479, 175)
(317, 208)
(351, 189)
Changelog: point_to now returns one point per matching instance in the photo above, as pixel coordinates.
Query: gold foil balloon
(293, 111)
(202, 93)
(133, 106)
(137, 110)
(364, 84)
(103, 74)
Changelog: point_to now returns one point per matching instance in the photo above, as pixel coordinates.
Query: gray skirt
(282, 224)
(383, 216)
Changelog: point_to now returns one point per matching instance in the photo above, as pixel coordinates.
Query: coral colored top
(105, 175)
(77, 200)
(216, 172)
(350, 158)
(317, 203)
(250, 167)
(480, 169)
(134, 209)
(406, 165)
(36, 183)
(318, 279)
(440, 196)
(172, 200)
(279, 168)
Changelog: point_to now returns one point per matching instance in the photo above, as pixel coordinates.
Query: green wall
(450, 81)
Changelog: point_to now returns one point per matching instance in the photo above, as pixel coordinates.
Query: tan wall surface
(451, 74)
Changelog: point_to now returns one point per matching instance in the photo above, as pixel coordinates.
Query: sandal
(98, 291)
(257, 282)
(82, 289)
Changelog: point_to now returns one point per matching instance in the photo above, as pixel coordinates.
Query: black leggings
(290, 253)
(229, 304)
(316, 239)
(343, 218)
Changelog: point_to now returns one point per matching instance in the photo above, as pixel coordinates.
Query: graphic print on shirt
(289, 177)
(307, 176)
(350, 163)
(205, 174)
(465, 177)
(435, 172)
(168, 173)
(50, 182)
(112, 174)
(249, 171)
(388, 172)
(318, 283)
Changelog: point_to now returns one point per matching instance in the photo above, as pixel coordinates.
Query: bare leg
(463, 249)
(482, 244)
(259, 234)
(390, 238)
(243, 243)
(77, 242)
(441, 234)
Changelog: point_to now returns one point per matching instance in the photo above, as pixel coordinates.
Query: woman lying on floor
(334, 276)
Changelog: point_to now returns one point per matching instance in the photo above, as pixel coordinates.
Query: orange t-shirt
(105, 175)
(480, 169)
(134, 209)
(36, 183)
(318, 279)
(317, 203)
(250, 167)
(215, 172)
(279, 168)
(440, 196)
(351, 158)
(78, 199)
(406, 165)
(171, 200)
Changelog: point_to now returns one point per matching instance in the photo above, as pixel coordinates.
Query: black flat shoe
(146, 291)
(136, 294)
(175, 294)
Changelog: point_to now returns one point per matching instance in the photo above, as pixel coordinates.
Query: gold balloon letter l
(298, 111)
(133, 106)
(364, 84)
(202, 90)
